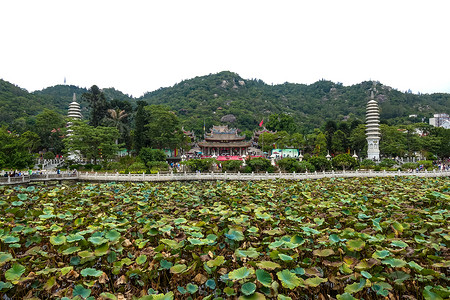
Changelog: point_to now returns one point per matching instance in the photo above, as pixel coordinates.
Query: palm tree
(117, 118)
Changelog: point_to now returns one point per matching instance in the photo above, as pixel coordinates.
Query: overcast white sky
(138, 46)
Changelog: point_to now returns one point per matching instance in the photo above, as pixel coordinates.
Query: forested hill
(214, 96)
(226, 98)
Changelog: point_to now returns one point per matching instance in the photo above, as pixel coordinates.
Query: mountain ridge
(205, 100)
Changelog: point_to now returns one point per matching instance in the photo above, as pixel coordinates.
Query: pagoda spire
(373, 133)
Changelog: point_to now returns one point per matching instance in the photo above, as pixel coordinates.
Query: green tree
(320, 145)
(339, 142)
(259, 164)
(357, 139)
(297, 140)
(139, 121)
(320, 163)
(281, 122)
(14, 150)
(344, 161)
(162, 129)
(97, 102)
(92, 142)
(48, 126)
(393, 141)
(267, 141)
(147, 155)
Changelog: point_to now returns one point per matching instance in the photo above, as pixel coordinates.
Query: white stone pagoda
(74, 109)
(373, 133)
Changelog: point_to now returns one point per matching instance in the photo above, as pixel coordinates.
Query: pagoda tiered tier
(224, 141)
(74, 109)
(373, 133)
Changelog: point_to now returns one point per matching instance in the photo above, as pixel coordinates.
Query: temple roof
(223, 145)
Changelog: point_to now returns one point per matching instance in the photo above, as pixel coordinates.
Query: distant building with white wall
(439, 119)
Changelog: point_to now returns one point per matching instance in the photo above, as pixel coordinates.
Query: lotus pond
(365, 238)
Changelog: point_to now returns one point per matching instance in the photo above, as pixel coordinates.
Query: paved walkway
(111, 177)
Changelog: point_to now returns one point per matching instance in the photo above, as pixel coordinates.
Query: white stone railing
(108, 177)
(251, 176)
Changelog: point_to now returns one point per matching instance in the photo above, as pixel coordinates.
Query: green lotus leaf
(109, 296)
(66, 270)
(419, 239)
(400, 244)
(71, 250)
(276, 244)
(17, 203)
(166, 296)
(254, 296)
(74, 238)
(15, 272)
(399, 276)
(79, 290)
(47, 271)
(22, 197)
(141, 259)
(381, 254)
(101, 250)
(57, 240)
(315, 281)
(97, 240)
(429, 295)
(85, 254)
(285, 257)
(283, 297)
(219, 260)
(398, 227)
(191, 288)
(253, 229)
(334, 238)
(251, 252)
(296, 239)
(323, 252)
(355, 245)
(46, 216)
(355, 287)
(9, 239)
(166, 228)
(229, 291)
(5, 285)
(172, 244)
(288, 279)
(197, 241)
(415, 266)
(366, 274)
(268, 265)
(177, 269)
(179, 221)
(210, 283)
(5, 257)
(165, 264)
(264, 277)
(309, 230)
(240, 273)
(394, 262)
(182, 290)
(346, 296)
(382, 288)
(235, 235)
(248, 288)
(112, 235)
(91, 272)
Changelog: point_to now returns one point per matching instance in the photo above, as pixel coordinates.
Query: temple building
(373, 133)
(222, 141)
